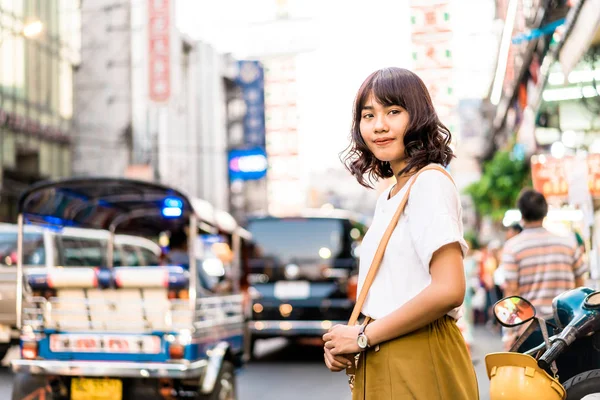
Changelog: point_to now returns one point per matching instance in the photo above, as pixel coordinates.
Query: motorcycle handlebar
(551, 354)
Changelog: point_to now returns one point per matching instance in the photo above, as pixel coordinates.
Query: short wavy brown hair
(426, 140)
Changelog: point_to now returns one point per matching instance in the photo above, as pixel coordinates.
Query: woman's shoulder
(434, 192)
(435, 181)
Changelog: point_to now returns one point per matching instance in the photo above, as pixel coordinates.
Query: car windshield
(297, 240)
(33, 249)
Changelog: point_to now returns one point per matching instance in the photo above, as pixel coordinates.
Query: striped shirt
(543, 265)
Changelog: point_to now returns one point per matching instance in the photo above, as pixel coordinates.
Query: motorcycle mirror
(513, 311)
(592, 300)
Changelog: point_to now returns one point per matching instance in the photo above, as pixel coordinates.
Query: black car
(303, 274)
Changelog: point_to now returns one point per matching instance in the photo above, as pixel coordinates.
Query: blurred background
(248, 104)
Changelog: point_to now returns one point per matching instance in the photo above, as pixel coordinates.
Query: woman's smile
(382, 142)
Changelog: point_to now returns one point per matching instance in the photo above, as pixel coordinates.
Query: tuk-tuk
(119, 332)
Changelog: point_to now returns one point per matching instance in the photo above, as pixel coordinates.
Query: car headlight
(292, 271)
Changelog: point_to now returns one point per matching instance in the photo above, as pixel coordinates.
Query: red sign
(159, 50)
(549, 175)
(430, 18)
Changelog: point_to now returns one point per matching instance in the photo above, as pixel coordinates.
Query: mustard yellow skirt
(432, 363)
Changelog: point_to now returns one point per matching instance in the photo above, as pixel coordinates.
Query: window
(301, 239)
(149, 257)
(131, 257)
(117, 256)
(82, 252)
(33, 249)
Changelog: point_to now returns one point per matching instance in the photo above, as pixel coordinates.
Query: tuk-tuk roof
(136, 207)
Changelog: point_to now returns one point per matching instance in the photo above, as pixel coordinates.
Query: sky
(344, 41)
(341, 43)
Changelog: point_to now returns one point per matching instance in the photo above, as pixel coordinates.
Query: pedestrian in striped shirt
(538, 264)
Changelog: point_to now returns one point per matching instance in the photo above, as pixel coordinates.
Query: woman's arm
(435, 230)
(445, 293)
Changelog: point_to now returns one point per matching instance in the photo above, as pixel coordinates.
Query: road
(283, 371)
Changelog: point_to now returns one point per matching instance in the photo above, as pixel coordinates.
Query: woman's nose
(380, 124)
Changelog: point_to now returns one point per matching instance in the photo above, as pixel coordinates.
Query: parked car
(303, 274)
(69, 247)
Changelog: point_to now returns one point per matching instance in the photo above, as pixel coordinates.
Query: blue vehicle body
(584, 353)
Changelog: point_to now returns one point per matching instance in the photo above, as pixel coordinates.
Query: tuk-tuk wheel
(30, 386)
(225, 386)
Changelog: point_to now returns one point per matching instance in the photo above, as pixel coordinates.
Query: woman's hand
(337, 363)
(341, 339)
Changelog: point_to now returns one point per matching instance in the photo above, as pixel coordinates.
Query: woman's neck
(398, 166)
(401, 180)
(533, 224)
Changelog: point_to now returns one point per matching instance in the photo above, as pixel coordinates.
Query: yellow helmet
(515, 376)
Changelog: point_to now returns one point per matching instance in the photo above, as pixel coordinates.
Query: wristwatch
(362, 340)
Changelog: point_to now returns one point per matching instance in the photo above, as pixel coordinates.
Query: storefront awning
(585, 33)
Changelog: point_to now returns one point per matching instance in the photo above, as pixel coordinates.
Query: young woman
(414, 348)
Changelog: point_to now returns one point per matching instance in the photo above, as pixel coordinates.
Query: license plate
(96, 389)
(85, 343)
(292, 289)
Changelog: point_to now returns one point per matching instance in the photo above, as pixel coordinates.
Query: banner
(252, 81)
(159, 74)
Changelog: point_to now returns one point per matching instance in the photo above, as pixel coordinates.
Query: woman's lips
(383, 142)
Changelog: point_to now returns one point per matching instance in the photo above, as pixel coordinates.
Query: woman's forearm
(432, 303)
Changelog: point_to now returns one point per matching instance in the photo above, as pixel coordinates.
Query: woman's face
(383, 128)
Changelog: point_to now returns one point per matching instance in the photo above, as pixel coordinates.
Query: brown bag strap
(382, 245)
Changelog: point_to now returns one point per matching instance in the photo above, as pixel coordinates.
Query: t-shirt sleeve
(434, 215)
(509, 264)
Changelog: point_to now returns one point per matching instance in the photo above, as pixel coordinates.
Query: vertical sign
(251, 80)
(432, 53)
(158, 50)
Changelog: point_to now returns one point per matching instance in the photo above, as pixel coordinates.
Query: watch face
(362, 341)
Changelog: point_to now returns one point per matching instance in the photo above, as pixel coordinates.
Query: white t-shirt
(432, 218)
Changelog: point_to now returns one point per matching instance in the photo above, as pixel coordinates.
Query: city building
(547, 106)
(38, 52)
(165, 94)
(275, 41)
(533, 33)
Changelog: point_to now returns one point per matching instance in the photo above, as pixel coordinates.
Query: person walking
(411, 346)
(538, 265)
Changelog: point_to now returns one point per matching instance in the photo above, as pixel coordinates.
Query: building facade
(39, 48)
(102, 122)
(166, 97)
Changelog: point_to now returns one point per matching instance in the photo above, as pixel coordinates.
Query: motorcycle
(555, 357)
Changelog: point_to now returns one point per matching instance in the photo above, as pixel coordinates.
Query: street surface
(297, 372)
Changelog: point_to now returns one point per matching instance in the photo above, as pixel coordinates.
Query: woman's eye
(395, 112)
(365, 116)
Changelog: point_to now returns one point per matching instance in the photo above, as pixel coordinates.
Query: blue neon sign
(248, 164)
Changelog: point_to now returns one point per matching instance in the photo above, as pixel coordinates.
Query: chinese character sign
(158, 50)
(251, 80)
